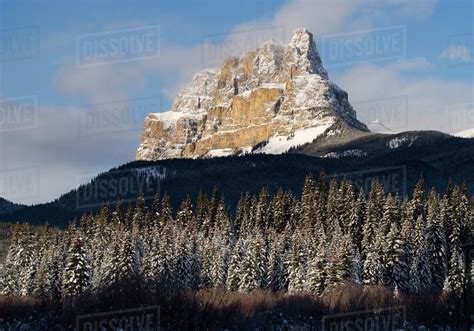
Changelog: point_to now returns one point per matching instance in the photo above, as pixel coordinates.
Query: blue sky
(432, 72)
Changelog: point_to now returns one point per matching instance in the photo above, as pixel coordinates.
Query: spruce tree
(296, 265)
(308, 203)
(185, 214)
(436, 239)
(275, 278)
(317, 273)
(10, 280)
(77, 273)
(279, 216)
(262, 211)
(234, 274)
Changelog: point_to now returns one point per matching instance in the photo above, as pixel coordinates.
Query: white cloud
(318, 16)
(456, 54)
(60, 153)
(417, 8)
(414, 64)
(99, 83)
(425, 100)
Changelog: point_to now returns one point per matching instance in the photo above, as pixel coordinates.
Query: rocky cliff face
(267, 101)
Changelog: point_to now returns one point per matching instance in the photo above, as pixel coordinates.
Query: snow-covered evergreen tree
(77, 272)
(233, 273)
(296, 264)
(275, 278)
(317, 274)
(262, 212)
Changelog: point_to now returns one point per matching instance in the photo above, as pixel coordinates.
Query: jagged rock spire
(302, 50)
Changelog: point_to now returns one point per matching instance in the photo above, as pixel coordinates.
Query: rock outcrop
(267, 101)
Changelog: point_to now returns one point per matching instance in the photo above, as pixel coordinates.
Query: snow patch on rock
(282, 144)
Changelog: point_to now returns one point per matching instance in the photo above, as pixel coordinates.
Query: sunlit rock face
(267, 101)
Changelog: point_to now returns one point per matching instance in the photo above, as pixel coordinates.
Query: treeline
(334, 233)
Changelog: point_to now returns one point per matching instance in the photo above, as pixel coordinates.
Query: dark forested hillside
(438, 157)
(8, 206)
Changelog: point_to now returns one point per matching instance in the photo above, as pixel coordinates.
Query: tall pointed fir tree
(77, 273)
(308, 203)
(182, 267)
(155, 209)
(436, 239)
(262, 212)
(278, 208)
(99, 243)
(375, 271)
(418, 200)
(185, 213)
(233, 272)
(10, 279)
(296, 264)
(332, 208)
(317, 272)
(320, 198)
(374, 213)
(28, 263)
(166, 215)
(346, 197)
(455, 280)
(421, 267)
(275, 278)
(356, 221)
(252, 271)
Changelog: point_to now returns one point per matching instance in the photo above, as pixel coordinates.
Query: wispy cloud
(454, 53)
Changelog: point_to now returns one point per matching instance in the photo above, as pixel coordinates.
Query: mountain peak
(304, 49)
(269, 100)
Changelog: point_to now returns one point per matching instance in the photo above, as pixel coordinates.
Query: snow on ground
(396, 142)
(247, 94)
(274, 85)
(220, 152)
(400, 141)
(281, 144)
(169, 118)
(465, 134)
(348, 153)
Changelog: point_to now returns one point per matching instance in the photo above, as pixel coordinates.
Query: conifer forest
(335, 236)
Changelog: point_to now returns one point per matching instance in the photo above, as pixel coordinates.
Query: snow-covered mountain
(269, 100)
(378, 127)
(465, 134)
